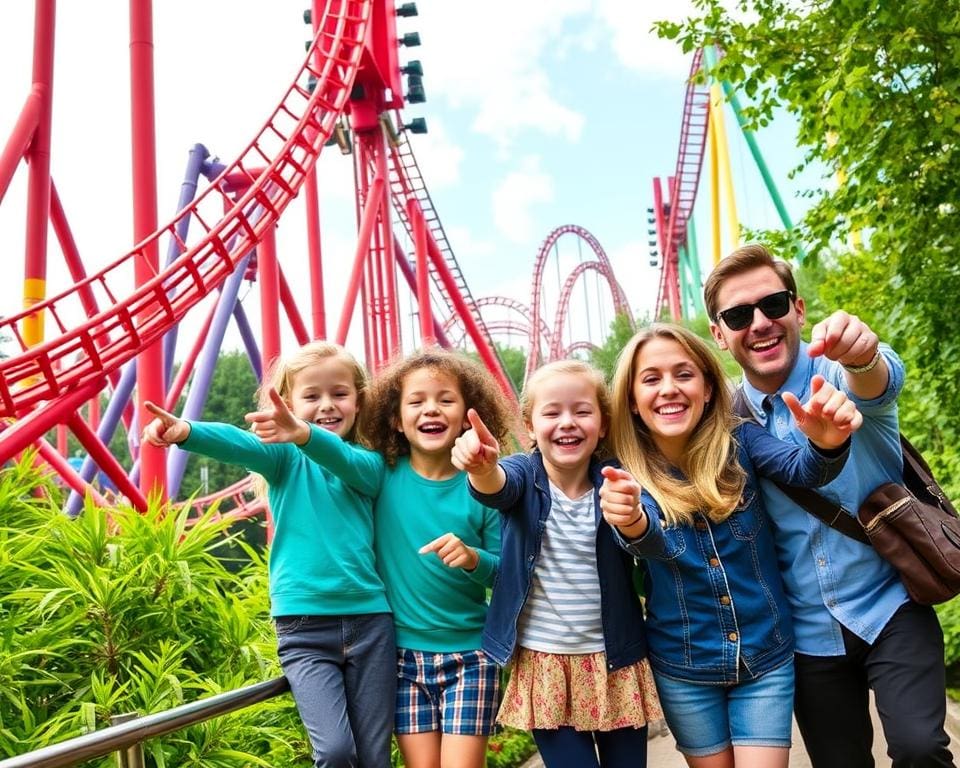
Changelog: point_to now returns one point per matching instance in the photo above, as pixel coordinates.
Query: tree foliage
(875, 88)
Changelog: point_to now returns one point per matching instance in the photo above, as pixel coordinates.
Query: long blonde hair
(577, 368)
(714, 479)
(281, 374)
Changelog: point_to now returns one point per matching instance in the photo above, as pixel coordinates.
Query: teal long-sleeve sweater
(321, 497)
(435, 608)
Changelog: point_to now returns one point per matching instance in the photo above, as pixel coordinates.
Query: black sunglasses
(774, 306)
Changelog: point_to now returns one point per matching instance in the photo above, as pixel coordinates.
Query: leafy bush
(119, 612)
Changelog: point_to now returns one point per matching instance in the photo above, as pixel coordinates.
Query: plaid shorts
(454, 693)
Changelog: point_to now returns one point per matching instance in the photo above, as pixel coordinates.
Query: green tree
(875, 88)
(605, 356)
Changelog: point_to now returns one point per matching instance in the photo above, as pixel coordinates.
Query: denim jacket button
(724, 600)
(714, 562)
(732, 637)
(700, 525)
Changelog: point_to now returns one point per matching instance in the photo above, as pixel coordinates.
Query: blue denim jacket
(716, 610)
(524, 502)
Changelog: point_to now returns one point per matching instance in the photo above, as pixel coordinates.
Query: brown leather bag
(915, 528)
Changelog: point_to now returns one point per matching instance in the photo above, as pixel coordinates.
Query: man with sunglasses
(856, 628)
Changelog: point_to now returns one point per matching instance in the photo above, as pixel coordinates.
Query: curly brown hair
(382, 411)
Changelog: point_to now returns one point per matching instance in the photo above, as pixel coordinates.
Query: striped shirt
(562, 611)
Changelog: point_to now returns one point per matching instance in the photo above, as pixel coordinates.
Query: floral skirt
(550, 690)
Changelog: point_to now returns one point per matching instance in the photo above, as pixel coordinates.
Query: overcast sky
(540, 113)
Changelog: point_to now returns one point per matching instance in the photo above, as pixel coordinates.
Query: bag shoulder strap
(919, 480)
(826, 511)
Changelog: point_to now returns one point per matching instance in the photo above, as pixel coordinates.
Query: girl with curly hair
(438, 551)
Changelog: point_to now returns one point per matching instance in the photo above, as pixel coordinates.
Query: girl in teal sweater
(334, 628)
(438, 551)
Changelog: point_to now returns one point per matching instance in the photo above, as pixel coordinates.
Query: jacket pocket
(747, 521)
(674, 543)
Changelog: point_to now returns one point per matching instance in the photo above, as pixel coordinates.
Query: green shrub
(119, 612)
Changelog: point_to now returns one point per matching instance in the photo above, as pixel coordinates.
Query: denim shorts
(455, 693)
(706, 719)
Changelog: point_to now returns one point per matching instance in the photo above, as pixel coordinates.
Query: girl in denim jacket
(718, 623)
(563, 605)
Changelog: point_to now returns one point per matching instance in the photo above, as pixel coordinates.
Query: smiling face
(324, 393)
(669, 394)
(766, 349)
(566, 423)
(432, 412)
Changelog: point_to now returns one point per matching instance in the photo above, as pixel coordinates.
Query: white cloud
(495, 66)
(639, 280)
(514, 197)
(637, 48)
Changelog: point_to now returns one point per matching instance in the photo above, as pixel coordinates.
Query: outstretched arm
(828, 418)
(277, 424)
(476, 452)
(164, 429)
(620, 503)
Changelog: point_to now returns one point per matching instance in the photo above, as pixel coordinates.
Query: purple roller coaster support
(108, 425)
(249, 340)
(200, 385)
(188, 190)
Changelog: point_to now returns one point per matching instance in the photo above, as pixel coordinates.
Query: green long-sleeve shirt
(435, 608)
(321, 497)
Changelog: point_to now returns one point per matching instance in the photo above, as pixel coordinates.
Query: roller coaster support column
(38, 181)
(719, 130)
(318, 310)
(268, 275)
(487, 355)
(415, 214)
(751, 139)
(406, 271)
(150, 381)
(200, 386)
(367, 219)
(380, 281)
(670, 282)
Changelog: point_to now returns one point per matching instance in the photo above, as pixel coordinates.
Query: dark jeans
(905, 669)
(343, 676)
(568, 748)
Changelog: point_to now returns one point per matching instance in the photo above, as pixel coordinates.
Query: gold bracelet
(864, 368)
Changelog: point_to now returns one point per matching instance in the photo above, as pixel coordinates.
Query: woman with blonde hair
(686, 503)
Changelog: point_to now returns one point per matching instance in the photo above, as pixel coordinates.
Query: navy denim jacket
(524, 503)
(716, 610)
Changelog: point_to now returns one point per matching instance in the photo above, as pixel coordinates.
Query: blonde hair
(714, 478)
(283, 370)
(477, 386)
(576, 368)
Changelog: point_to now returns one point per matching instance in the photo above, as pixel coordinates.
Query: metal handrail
(118, 737)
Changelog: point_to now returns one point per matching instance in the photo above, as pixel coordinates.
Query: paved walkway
(662, 751)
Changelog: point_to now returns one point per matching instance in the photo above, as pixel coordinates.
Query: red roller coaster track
(76, 361)
(672, 228)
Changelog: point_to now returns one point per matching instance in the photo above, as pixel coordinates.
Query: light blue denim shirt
(830, 579)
